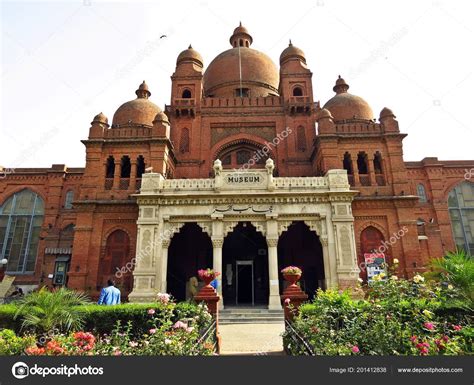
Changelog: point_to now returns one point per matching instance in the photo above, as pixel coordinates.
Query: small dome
(386, 112)
(292, 52)
(140, 111)
(345, 106)
(161, 117)
(190, 54)
(241, 37)
(324, 113)
(100, 118)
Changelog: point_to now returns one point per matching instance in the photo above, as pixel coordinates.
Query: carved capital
(218, 242)
(272, 242)
(165, 243)
(324, 241)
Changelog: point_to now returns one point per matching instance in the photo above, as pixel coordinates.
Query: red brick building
(77, 226)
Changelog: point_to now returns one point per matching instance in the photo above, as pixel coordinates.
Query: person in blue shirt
(214, 284)
(109, 295)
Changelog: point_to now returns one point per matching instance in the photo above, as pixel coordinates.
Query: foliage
(290, 270)
(208, 273)
(11, 344)
(44, 310)
(163, 329)
(455, 272)
(398, 317)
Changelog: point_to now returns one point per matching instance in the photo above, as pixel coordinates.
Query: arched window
(362, 163)
(21, 217)
(68, 200)
(347, 164)
(184, 141)
(241, 42)
(140, 166)
(300, 139)
(378, 169)
(461, 211)
(110, 167)
(186, 94)
(297, 91)
(371, 241)
(126, 167)
(421, 192)
(243, 156)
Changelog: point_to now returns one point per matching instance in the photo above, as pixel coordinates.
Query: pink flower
(424, 351)
(190, 329)
(287, 301)
(457, 327)
(152, 331)
(413, 339)
(429, 325)
(180, 325)
(355, 349)
(117, 353)
(151, 311)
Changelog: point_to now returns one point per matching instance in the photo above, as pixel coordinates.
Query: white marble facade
(218, 204)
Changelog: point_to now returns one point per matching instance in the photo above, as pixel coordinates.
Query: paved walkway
(252, 339)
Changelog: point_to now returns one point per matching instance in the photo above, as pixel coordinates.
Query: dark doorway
(245, 286)
(189, 251)
(299, 246)
(245, 249)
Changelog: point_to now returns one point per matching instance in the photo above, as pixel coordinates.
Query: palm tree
(45, 311)
(456, 269)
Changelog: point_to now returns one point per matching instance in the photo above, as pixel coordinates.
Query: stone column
(117, 173)
(274, 298)
(165, 243)
(133, 176)
(327, 263)
(217, 266)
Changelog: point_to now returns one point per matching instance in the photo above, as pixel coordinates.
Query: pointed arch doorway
(245, 279)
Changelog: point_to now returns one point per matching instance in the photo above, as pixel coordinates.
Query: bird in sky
(162, 36)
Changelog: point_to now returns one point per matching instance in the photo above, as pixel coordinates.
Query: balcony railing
(380, 179)
(178, 102)
(364, 180)
(124, 183)
(109, 183)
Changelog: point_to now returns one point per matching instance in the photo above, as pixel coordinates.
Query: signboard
(243, 179)
(375, 264)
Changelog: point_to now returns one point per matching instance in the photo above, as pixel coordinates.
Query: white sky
(64, 62)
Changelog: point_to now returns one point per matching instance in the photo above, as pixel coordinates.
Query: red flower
(413, 339)
(457, 327)
(429, 325)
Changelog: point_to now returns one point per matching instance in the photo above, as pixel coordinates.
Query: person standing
(109, 295)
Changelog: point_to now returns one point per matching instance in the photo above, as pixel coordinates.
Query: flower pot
(292, 278)
(207, 280)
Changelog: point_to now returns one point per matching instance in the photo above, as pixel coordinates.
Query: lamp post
(3, 267)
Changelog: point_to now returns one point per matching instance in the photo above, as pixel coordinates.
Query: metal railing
(208, 336)
(294, 344)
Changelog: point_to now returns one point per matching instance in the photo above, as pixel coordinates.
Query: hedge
(102, 319)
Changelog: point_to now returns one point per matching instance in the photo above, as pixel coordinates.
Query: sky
(63, 62)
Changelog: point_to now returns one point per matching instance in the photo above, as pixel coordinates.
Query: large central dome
(241, 71)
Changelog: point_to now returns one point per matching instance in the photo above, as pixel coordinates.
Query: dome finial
(341, 86)
(241, 37)
(190, 46)
(291, 44)
(143, 92)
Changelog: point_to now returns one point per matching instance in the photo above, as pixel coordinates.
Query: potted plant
(291, 274)
(207, 275)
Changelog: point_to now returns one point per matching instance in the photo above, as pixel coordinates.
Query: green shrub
(11, 344)
(43, 310)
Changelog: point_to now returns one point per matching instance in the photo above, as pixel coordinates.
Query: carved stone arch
(171, 229)
(369, 224)
(229, 227)
(205, 227)
(112, 230)
(451, 187)
(259, 143)
(314, 226)
(260, 226)
(16, 190)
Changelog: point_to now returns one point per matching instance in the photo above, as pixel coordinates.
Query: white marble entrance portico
(218, 204)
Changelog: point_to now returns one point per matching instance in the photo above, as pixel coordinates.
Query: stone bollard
(209, 296)
(292, 298)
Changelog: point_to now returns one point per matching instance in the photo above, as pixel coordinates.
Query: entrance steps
(243, 315)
